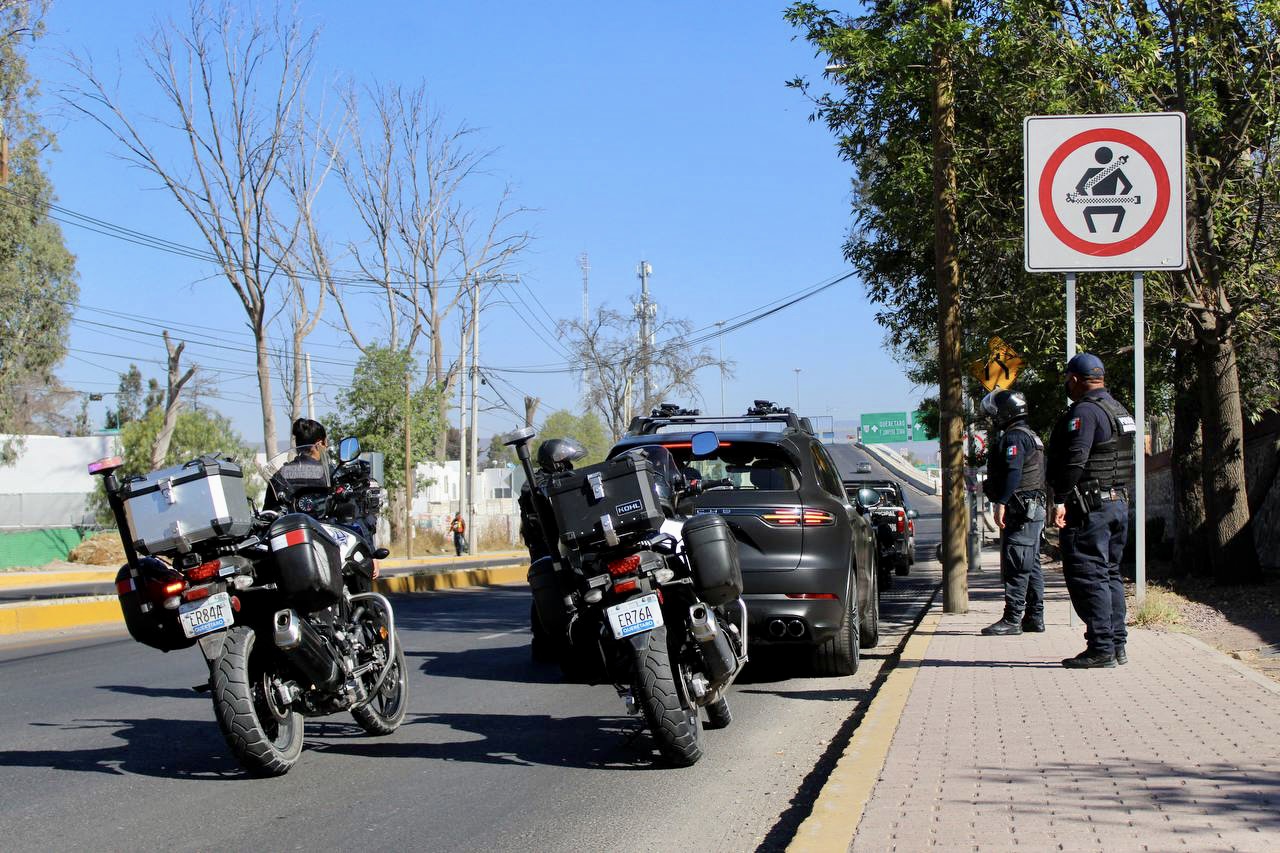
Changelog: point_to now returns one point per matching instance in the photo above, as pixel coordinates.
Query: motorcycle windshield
(297, 471)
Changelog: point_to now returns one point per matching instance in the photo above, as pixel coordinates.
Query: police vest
(1111, 461)
(1033, 466)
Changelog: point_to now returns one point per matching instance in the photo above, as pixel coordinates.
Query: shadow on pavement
(167, 749)
(155, 692)
(835, 695)
(488, 663)
(463, 611)
(616, 743)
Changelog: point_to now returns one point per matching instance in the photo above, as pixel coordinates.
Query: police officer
(1015, 485)
(1090, 459)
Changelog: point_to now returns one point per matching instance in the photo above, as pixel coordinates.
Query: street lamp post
(797, 370)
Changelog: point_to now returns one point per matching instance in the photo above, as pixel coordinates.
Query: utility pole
(462, 419)
(646, 311)
(408, 466)
(955, 581)
(311, 400)
(720, 326)
(475, 410)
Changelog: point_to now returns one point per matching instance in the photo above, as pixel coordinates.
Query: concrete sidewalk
(1001, 748)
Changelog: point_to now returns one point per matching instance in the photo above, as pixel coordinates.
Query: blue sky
(655, 131)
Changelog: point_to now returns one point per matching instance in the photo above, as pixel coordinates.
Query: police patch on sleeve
(1012, 451)
(1074, 426)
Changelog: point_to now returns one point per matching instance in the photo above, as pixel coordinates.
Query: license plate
(635, 616)
(208, 614)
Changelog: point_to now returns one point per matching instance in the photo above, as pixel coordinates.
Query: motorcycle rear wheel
(264, 738)
(385, 712)
(672, 717)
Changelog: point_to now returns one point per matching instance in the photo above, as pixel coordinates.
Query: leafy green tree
(373, 410)
(498, 453)
(587, 429)
(128, 399)
(1215, 61)
(37, 273)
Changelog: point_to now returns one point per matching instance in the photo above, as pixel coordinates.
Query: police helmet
(559, 454)
(1005, 406)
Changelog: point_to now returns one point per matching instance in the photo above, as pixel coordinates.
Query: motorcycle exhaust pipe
(717, 654)
(795, 628)
(777, 629)
(306, 650)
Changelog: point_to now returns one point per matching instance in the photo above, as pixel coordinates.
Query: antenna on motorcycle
(520, 441)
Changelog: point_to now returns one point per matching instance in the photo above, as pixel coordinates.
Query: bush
(1160, 608)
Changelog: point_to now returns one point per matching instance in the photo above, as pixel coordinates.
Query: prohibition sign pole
(1131, 176)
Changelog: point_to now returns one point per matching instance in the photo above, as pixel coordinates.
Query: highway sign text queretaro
(1105, 192)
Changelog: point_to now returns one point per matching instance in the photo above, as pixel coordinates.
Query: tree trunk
(1229, 530)
(955, 588)
(530, 409)
(1190, 547)
(264, 390)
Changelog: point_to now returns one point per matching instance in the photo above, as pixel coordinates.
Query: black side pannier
(142, 603)
(713, 556)
(308, 562)
(600, 505)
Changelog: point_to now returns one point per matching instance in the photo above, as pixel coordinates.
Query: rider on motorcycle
(308, 470)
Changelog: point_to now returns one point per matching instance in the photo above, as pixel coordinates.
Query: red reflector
(235, 603)
(295, 537)
(197, 593)
(174, 587)
(204, 571)
(626, 586)
(625, 566)
(808, 596)
(124, 587)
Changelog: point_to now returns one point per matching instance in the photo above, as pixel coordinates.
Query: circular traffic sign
(1090, 247)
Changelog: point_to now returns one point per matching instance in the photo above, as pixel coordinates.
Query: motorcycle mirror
(704, 443)
(348, 449)
(381, 554)
(868, 496)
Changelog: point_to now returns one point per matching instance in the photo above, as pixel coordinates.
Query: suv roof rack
(763, 411)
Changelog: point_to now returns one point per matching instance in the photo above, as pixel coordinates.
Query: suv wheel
(840, 655)
(869, 613)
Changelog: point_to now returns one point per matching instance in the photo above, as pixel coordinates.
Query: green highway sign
(885, 428)
(917, 427)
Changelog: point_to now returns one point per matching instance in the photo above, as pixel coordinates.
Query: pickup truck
(893, 519)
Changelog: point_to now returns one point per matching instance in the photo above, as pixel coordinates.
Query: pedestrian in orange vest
(459, 528)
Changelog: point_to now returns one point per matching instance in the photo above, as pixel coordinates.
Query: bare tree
(175, 380)
(406, 173)
(608, 348)
(231, 89)
(530, 409)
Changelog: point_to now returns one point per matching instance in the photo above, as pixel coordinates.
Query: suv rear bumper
(821, 618)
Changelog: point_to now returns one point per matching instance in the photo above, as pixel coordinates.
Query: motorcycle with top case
(279, 601)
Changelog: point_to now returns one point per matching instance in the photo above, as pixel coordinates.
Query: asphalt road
(104, 744)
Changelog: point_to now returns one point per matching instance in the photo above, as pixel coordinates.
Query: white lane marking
(501, 634)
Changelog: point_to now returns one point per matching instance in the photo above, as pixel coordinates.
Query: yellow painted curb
(34, 580)
(452, 580)
(834, 820)
(24, 617)
(50, 616)
(437, 559)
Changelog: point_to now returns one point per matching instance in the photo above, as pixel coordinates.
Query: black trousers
(1092, 545)
(1020, 568)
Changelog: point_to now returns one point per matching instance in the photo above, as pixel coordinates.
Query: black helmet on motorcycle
(669, 479)
(1005, 407)
(559, 454)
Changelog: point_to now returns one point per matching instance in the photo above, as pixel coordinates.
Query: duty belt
(1115, 494)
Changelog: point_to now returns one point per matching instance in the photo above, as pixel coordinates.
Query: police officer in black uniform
(1090, 472)
(1015, 485)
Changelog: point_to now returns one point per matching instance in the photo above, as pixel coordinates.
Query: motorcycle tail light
(625, 566)
(626, 586)
(174, 587)
(204, 571)
(902, 522)
(196, 593)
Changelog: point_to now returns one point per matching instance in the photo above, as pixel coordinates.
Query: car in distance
(862, 468)
(808, 556)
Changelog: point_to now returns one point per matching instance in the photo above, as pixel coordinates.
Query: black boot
(1122, 657)
(1033, 625)
(1006, 627)
(1091, 659)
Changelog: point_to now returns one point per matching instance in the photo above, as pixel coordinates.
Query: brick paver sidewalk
(1001, 748)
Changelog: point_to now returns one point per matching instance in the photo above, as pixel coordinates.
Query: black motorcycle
(627, 593)
(279, 601)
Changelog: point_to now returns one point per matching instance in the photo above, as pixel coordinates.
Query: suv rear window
(742, 465)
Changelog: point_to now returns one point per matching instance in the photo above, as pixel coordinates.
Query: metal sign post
(1108, 193)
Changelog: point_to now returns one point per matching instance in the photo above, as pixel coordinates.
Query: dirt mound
(101, 549)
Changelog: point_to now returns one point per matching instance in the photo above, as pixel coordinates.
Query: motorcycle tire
(869, 616)
(672, 717)
(903, 568)
(385, 712)
(718, 714)
(266, 740)
(840, 654)
(542, 647)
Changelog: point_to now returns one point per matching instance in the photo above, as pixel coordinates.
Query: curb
(27, 617)
(36, 580)
(833, 821)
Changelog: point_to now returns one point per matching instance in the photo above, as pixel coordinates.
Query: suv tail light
(798, 517)
(902, 522)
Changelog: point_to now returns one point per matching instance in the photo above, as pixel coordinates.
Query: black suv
(808, 557)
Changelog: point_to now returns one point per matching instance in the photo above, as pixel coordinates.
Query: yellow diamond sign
(1000, 368)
